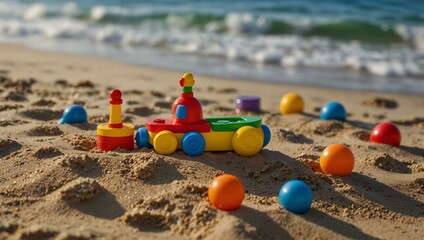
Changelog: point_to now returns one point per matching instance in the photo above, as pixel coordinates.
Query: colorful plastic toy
(248, 103)
(386, 133)
(333, 111)
(115, 134)
(189, 131)
(291, 103)
(295, 196)
(226, 192)
(73, 114)
(337, 160)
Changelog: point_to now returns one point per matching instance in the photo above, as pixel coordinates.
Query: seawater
(359, 44)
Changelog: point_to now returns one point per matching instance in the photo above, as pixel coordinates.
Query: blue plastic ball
(333, 111)
(73, 114)
(295, 196)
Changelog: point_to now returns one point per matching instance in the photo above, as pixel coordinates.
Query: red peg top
(115, 97)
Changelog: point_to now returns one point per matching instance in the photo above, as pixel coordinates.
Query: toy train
(189, 131)
(186, 129)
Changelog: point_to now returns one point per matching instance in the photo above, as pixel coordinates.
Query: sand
(55, 184)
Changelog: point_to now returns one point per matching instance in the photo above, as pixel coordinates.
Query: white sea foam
(35, 11)
(98, 12)
(246, 23)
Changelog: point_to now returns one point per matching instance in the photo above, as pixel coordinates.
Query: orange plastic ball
(337, 160)
(226, 192)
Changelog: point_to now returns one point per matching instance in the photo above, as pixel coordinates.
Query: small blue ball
(73, 114)
(295, 196)
(333, 111)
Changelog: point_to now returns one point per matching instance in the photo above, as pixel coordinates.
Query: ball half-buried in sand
(291, 103)
(337, 160)
(73, 114)
(226, 192)
(386, 133)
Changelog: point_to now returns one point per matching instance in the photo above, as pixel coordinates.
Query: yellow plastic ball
(291, 103)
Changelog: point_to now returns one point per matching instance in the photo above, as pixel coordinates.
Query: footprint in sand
(8, 107)
(45, 130)
(7, 146)
(11, 122)
(276, 171)
(325, 128)
(132, 92)
(156, 94)
(285, 135)
(14, 96)
(388, 163)
(417, 122)
(81, 142)
(81, 189)
(163, 104)
(205, 102)
(380, 102)
(362, 135)
(46, 152)
(132, 102)
(83, 84)
(62, 83)
(143, 166)
(82, 164)
(20, 85)
(98, 118)
(185, 203)
(42, 114)
(43, 103)
(141, 111)
(223, 90)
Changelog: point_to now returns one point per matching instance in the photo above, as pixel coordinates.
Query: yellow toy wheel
(165, 142)
(248, 141)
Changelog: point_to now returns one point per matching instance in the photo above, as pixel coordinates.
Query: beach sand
(55, 184)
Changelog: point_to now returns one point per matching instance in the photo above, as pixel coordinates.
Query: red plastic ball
(386, 133)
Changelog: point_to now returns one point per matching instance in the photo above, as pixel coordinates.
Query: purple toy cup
(248, 103)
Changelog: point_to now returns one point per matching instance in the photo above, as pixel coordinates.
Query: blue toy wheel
(267, 134)
(142, 138)
(193, 144)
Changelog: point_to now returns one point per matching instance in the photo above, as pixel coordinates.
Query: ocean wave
(287, 50)
(384, 50)
(235, 22)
